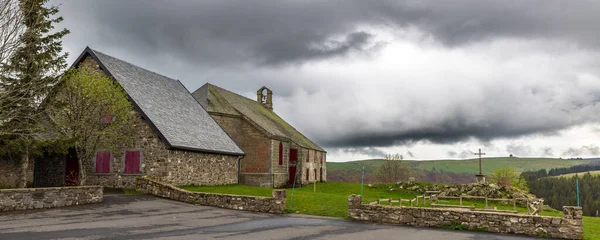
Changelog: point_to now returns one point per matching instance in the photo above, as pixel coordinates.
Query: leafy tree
(31, 71)
(512, 175)
(393, 169)
(93, 111)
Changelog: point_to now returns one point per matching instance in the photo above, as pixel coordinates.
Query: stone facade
(275, 204)
(568, 227)
(158, 160)
(260, 166)
(37, 198)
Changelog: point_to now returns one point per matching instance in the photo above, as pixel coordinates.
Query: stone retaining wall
(37, 198)
(568, 227)
(275, 204)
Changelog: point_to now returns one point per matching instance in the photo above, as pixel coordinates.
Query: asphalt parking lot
(147, 217)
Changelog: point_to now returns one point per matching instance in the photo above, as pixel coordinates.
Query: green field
(591, 228)
(331, 198)
(466, 166)
(569, 175)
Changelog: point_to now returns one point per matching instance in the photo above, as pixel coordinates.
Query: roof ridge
(110, 56)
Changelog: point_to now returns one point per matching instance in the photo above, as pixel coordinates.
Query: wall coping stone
(275, 204)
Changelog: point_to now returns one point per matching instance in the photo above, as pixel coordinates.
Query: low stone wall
(568, 227)
(37, 198)
(275, 204)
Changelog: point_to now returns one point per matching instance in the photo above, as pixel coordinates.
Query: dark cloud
(220, 33)
(547, 152)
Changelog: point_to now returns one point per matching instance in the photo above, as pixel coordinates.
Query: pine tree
(33, 70)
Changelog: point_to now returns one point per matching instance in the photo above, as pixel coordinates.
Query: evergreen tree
(33, 69)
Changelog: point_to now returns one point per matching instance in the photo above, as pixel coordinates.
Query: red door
(72, 169)
(292, 174)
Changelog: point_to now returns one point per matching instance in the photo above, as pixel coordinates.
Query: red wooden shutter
(321, 157)
(307, 156)
(103, 162)
(132, 162)
(307, 172)
(280, 153)
(315, 156)
(315, 174)
(293, 155)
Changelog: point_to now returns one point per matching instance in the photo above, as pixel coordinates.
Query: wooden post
(515, 204)
(486, 202)
(400, 201)
(378, 201)
(417, 201)
(461, 200)
(390, 201)
(424, 201)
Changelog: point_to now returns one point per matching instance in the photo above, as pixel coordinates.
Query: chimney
(265, 97)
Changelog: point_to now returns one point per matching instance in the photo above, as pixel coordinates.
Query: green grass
(466, 166)
(570, 175)
(331, 198)
(591, 228)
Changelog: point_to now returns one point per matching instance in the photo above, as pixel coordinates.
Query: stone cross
(480, 153)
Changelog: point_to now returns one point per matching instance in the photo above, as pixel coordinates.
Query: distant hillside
(456, 171)
(569, 175)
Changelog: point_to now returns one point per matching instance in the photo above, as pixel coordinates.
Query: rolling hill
(458, 170)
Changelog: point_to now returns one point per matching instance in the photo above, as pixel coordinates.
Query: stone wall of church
(159, 162)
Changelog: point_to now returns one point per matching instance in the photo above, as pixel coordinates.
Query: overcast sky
(428, 79)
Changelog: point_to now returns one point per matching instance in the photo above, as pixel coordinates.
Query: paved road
(145, 217)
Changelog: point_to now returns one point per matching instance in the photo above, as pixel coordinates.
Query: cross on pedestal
(480, 177)
(480, 153)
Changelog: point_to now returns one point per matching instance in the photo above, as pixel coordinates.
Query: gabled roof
(218, 100)
(168, 106)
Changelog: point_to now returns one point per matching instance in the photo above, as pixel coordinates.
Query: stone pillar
(354, 201)
(570, 212)
(279, 194)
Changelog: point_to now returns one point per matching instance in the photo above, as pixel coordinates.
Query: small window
(308, 155)
(280, 153)
(293, 155)
(315, 174)
(307, 174)
(132, 162)
(103, 162)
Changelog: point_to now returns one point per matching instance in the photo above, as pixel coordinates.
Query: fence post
(417, 201)
(486, 202)
(460, 200)
(390, 201)
(378, 201)
(515, 204)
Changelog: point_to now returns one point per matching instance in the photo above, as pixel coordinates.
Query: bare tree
(11, 27)
(393, 169)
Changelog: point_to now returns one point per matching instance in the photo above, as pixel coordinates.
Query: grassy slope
(467, 166)
(580, 174)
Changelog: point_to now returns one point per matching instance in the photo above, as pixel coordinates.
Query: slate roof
(169, 107)
(219, 100)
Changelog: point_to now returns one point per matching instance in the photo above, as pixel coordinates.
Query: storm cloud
(358, 76)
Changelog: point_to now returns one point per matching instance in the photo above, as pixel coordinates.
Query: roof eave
(191, 149)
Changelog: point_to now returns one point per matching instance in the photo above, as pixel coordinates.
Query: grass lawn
(331, 198)
(591, 228)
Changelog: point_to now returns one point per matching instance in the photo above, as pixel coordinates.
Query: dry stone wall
(38, 198)
(568, 227)
(275, 204)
